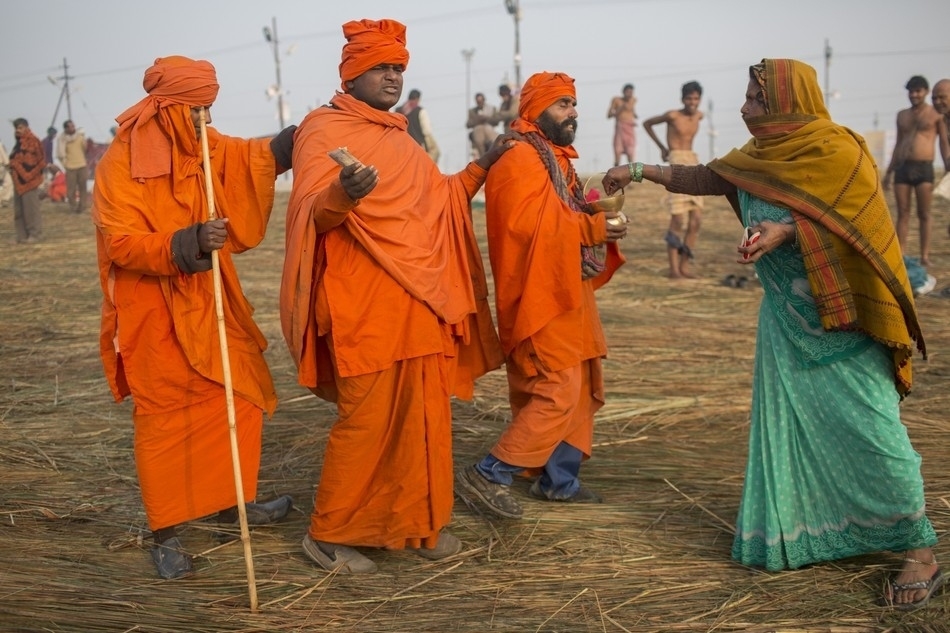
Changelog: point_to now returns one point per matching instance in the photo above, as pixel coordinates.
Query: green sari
(831, 472)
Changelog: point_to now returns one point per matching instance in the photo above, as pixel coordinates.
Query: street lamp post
(467, 54)
(270, 34)
(514, 9)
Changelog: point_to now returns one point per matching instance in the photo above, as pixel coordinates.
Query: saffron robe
(384, 307)
(547, 314)
(159, 334)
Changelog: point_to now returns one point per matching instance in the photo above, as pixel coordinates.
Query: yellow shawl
(825, 175)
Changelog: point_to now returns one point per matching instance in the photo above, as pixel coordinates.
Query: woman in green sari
(831, 472)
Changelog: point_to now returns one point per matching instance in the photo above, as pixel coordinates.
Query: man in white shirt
(71, 153)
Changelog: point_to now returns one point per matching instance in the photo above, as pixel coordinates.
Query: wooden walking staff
(226, 364)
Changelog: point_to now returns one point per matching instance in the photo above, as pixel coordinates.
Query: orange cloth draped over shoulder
(159, 338)
(534, 246)
(547, 314)
(855, 267)
(385, 310)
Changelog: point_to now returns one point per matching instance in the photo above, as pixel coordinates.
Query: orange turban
(541, 90)
(370, 43)
(170, 80)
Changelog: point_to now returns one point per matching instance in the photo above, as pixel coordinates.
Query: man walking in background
(681, 128)
(27, 166)
(71, 152)
(623, 110)
(420, 128)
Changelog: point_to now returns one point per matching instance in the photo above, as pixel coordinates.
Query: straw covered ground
(669, 458)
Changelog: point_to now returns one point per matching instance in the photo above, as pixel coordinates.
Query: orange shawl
(825, 174)
(136, 220)
(388, 273)
(534, 239)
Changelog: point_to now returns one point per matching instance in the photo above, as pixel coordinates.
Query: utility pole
(467, 54)
(827, 74)
(712, 132)
(63, 93)
(514, 9)
(270, 34)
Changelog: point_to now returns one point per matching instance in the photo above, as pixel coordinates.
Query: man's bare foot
(686, 273)
(674, 275)
(925, 261)
(920, 565)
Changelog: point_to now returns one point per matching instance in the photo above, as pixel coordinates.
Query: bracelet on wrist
(636, 171)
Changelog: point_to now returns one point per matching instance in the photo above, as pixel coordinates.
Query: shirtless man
(681, 128)
(912, 163)
(623, 111)
(941, 101)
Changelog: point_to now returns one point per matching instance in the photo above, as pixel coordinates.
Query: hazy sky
(655, 44)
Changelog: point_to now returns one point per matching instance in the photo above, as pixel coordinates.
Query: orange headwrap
(370, 43)
(171, 80)
(541, 90)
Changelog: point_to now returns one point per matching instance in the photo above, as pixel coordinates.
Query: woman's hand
(615, 179)
(771, 236)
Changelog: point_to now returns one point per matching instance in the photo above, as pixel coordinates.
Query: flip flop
(936, 581)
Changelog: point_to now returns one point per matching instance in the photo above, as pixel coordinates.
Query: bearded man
(547, 258)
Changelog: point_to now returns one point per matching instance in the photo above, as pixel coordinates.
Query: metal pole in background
(62, 93)
(827, 74)
(467, 54)
(514, 9)
(270, 34)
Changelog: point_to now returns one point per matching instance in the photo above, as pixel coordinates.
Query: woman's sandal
(931, 586)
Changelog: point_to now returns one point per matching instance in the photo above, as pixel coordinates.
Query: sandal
(931, 586)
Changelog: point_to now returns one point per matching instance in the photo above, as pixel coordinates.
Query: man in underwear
(623, 110)
(681, 128)
(912, 164)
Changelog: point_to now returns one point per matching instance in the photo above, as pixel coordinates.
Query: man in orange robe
(384, 307)
(159, 338)
(547, 257)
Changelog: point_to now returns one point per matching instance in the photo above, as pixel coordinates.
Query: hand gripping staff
(226, 364)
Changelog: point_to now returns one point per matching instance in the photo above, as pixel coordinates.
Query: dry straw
(669, 457)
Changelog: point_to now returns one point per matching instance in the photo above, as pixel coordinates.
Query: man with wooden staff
(384, 306)
(159, 339)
